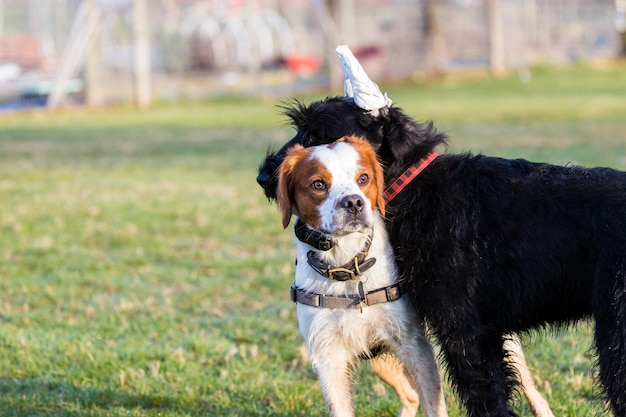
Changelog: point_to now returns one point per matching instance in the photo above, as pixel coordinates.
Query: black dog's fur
(488, 246)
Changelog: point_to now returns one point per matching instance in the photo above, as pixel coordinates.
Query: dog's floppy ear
(368, 153)
(379, 179)
(284, 192)
(380, 185)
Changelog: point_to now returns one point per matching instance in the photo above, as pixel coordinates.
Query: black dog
(487, 247)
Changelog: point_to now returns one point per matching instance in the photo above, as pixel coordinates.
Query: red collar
(407, 176)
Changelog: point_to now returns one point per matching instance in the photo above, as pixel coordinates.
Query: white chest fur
(356, 329)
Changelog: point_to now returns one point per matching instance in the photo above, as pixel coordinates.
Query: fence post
(435, 40)
(92, 68)
(141, 56)
(620, 24)
(496, 37)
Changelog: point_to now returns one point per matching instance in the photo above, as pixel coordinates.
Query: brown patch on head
(375, 188)
(298, 174)
(295, 193)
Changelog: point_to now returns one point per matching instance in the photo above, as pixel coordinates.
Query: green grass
(142, 273)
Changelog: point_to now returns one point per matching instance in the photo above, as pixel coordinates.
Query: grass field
(142, 273)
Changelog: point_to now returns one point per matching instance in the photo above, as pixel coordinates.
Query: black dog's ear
(373, 126)
(383, 113)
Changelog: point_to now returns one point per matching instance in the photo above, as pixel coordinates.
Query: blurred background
(142, 270)
(103, 52)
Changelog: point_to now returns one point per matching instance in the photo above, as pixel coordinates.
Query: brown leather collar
(345, 272)
(317, 239)
(377, 296)
(350, 270)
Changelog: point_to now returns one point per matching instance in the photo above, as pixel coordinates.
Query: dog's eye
(318, 185)
(364, 179)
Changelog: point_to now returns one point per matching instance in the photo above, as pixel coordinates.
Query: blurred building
(86, 49)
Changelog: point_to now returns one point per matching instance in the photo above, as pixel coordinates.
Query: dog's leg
(612, 365)
(426, 372)
(335, 371)
(478, 371)
(417, 356)
(515, 356)
(392, 371)
(610, 331)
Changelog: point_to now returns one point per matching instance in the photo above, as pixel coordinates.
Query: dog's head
(395, 136)
(320, 123)
(365, 112)
(333, 188)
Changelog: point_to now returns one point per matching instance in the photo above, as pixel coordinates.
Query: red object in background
(367, 52)
(24, 50)
(302, 64)
(306, 65)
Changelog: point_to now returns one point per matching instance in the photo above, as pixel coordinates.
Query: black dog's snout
(353, 203)
(263, 179)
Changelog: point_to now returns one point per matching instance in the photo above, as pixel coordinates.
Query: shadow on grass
(37, 397)
(52, 398)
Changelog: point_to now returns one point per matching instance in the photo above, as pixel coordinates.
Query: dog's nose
(353, 203)
(263, 179)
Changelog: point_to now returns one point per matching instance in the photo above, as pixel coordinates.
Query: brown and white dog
(348, 300)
